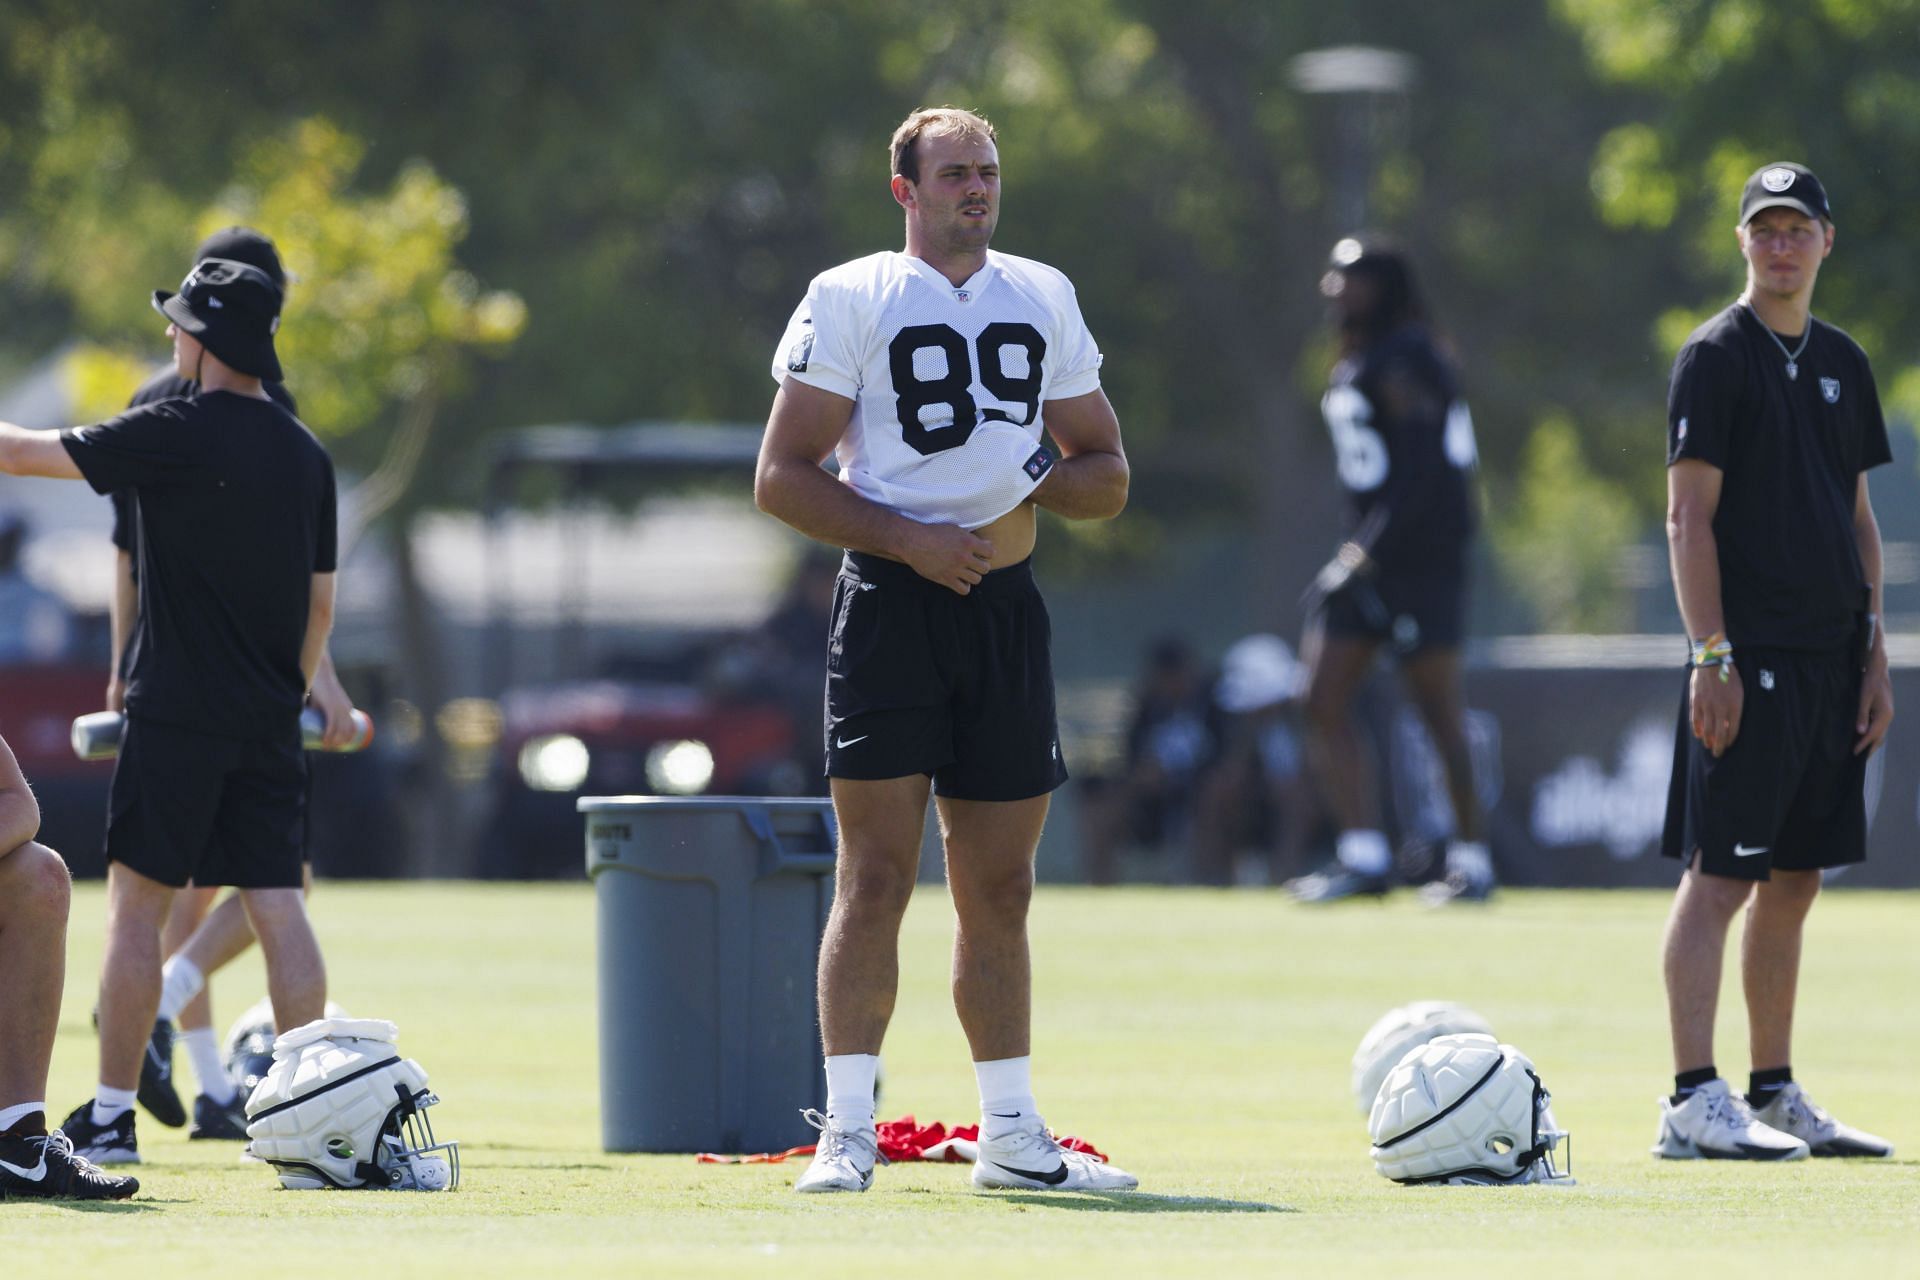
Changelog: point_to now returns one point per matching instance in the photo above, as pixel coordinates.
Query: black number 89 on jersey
(954, 388)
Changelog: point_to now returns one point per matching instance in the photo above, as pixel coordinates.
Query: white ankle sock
(850, 1088)
(180, 982)
(1006, 1094)
(1365, 853)
(109, 1104)
(11, 1116)
(1471, 859)
(204, 1052)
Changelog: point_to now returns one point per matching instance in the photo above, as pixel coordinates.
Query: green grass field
(1201, 1038)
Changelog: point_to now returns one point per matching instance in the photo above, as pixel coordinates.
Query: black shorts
(1413, 612)
(1790, 792)
(188, 806)
(923, 680)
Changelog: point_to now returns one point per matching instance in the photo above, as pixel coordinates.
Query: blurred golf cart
(717, 700)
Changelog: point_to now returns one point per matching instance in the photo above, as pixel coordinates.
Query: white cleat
(1028, 1159)
(843, 1159)
(1715, 1123)
(1793, 1113)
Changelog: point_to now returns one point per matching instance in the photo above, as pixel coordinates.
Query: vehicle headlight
(554, 762)
(681, 768)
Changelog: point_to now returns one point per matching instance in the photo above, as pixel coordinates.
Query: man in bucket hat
(234, 502)
(198, 937)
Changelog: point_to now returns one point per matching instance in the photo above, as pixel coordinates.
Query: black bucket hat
(244, 244)
(233, 309)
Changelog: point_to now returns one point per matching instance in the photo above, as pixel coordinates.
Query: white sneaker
(1793, 1113)
(1028, 1159)
(843, 1159)
(1715, 1123)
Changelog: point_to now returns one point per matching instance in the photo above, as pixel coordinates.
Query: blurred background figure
(1172, 740)
(1256, 809)
(1404, 447)
(35, 623)
(780, 662)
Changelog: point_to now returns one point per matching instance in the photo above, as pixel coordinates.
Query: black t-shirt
(1403, 444)
(168, 385)
(233, 513)
(1790, 451)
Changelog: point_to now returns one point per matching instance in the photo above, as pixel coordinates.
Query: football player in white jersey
(931, 374)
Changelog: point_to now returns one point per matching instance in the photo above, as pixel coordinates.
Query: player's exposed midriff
(1012, 536)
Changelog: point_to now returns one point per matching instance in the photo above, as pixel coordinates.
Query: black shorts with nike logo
(923, 680)
(1789, 793)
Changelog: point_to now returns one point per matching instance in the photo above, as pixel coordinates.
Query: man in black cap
(197, 941)
(234, 507)
(1772, 423)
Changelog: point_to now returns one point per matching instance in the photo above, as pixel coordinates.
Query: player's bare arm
(19, 811)
(1090, 480)
(789, 484)
(35, 453)
(1693, 495)
(319, 626)
(330, 697)
(1876, 685)
(122, 608)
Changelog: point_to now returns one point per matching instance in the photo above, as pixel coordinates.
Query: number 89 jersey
(949, 383)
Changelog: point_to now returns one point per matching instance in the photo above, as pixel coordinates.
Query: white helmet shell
(1399, 1030)
(341, 1108)
(1465, 1110)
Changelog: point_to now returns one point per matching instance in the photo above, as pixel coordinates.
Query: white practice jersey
(949, 383)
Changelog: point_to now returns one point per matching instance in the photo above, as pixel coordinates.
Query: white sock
(850, 1088)
(1365, 853)
(204, 1052)
(180, 982)
(11, 1116)
(1470, 858)
(1006, 1094)
(109, 1103)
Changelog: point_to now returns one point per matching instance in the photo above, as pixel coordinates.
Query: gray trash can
(711, 911)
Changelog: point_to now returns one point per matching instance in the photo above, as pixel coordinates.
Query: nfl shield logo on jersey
(1830, 390)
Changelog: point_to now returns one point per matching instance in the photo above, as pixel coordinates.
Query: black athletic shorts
(1413, 612)
(923, 680)
(1790, 792)
(200, 807)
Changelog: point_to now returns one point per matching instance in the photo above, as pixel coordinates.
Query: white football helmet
(1398, 1030)
(1466, 1110)
(341, 1108)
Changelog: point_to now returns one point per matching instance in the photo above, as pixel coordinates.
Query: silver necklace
(1793, 356)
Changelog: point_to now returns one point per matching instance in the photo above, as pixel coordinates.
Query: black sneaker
(102, 1143)
(157, 1093)
(45, 1166)
(226, 1121)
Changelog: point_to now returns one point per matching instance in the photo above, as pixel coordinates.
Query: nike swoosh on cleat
(34, 1174)
(1053, 1177)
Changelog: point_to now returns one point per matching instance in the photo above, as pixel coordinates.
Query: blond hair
(933, 122)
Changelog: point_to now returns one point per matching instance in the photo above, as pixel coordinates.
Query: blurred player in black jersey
(1403, 442)
(1773, 421)
(199, 938)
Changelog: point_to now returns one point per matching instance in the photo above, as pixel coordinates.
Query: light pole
(1361, 79)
